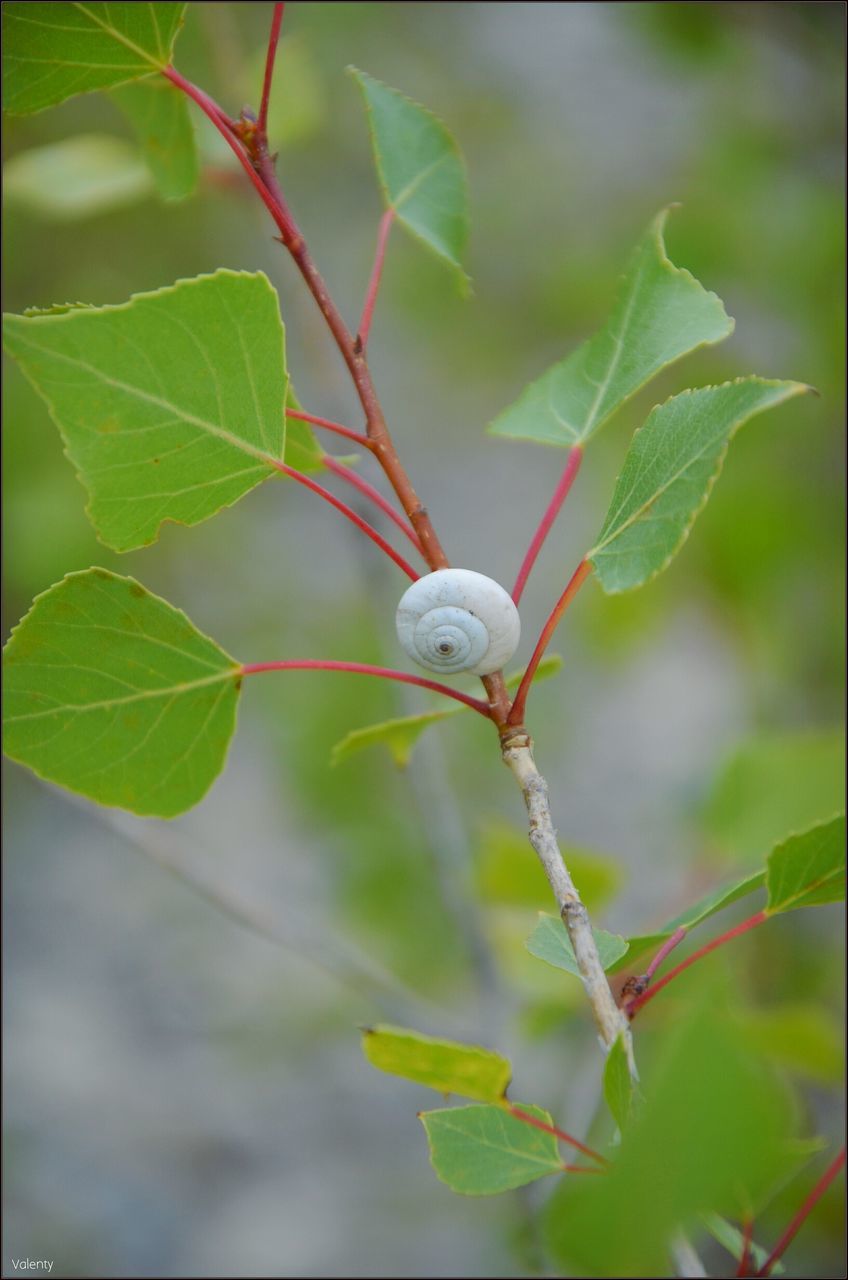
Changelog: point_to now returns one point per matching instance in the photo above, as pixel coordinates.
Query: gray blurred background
(184, 1089)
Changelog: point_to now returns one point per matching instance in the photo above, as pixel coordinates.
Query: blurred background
(184, 1089)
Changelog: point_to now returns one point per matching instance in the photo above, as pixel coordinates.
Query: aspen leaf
(669, 470)
(483, 1150)
(113, 693)
(170, 405)
(662, 313)
(550, 942)
(808, 869)
(158, 113)
(53, 51)
(439, 1064)
(421, 171)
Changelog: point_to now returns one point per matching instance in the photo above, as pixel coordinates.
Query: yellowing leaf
(439, 1064)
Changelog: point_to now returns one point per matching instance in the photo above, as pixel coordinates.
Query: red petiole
(365, 669)
(351, 515)
(368, 491)
(635, 1005)
(273, 38)
(516, 716)
(374, 283)
(803, 1213)
(572, 466)
(557, 1133)
(329, 425)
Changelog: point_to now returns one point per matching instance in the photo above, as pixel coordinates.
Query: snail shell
(456, 620)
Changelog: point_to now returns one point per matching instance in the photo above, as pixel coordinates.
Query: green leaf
(716, 900)
(661, 314)
(732, 1239)
(170, 405)
(670, 468)
(401, 734)
(618, 1085)
(807, 869)
(113, 693)
(484, 1150)
(439, 1064)
(158, 113)
(550, 942)
(53, 51)
(76, 178)
(710, 1134)
(420, 168)
(772, 784)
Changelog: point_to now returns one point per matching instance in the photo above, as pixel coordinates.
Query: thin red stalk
(374, 283)
(365, 669)
(276, 23)
(735, 932)
(367, 490)
(803, 1213)
(366, 528)
(745, 1260)
(328, 425)
(516, 716)
(572, 466)
(667, 947)
(281, 217)
(557, 1133)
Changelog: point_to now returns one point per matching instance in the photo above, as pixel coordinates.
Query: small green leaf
(439, 1064)
(618, 1085)
(113, 693)
(661, 314)
(53, 51)
(732, 1239)
(550, 942)
(484, 1150)
(158, 113)
(401, 734)
(170, 405)
(716, 900)
(670, 468)
(420, 168)
(807, 869)
(77, 178)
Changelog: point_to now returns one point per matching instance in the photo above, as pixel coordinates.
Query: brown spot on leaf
(136, 590)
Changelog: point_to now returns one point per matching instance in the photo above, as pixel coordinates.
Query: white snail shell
(456, 620)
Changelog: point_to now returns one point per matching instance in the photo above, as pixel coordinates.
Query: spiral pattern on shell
(456, 620)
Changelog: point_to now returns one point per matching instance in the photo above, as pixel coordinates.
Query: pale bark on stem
(611, 1023)
(685, 1259)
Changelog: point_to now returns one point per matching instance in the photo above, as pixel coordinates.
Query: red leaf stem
(367, 490)
(329, 425)
(735, 932)
(572, 466)
(516, 715)
(351, 515)
(803, 1213)
(365, 669)
(374, 283)
(557, 1133)
(276, 23)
